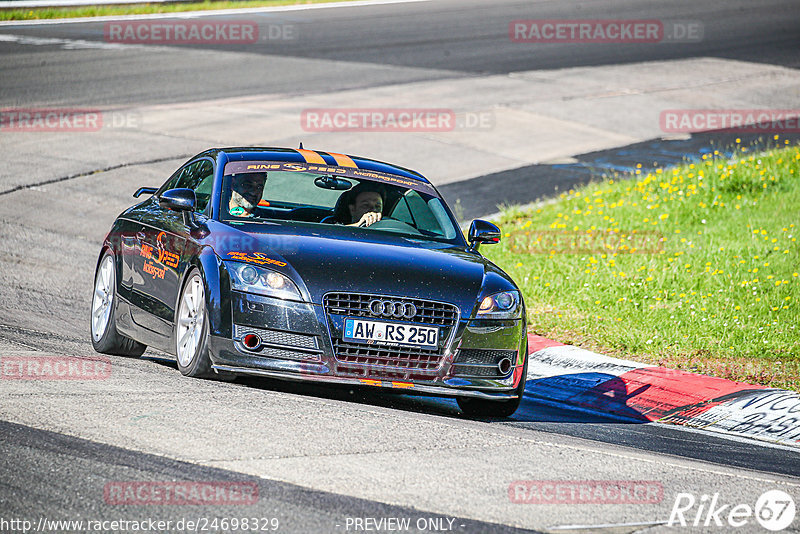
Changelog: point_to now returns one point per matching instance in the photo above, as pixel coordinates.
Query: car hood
(360, 261)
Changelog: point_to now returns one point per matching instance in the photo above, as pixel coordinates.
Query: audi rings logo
(392, 308)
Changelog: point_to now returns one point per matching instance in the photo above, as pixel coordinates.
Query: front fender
(217, 288)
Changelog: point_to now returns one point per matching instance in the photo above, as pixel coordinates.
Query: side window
(187, 177)
(412, 209)
(172, 182)
(205, 182)
(401, 211)
(203, 192)
(199, 176)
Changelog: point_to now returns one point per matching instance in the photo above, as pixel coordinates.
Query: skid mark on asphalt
(96, 171)
(18, 343)
(29, 332)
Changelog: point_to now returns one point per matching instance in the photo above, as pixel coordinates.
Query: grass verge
(142, 9)
(693, 267)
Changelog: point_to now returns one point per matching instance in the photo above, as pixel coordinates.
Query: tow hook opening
(251, 341)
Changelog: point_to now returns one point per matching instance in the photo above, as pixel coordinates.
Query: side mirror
(482, 232)
(178, 199)
(144, 190)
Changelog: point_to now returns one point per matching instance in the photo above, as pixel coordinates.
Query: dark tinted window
(171, 183)
(199, 177)
(203, 178)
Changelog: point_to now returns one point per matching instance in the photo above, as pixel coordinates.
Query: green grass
(718, 294)
(143, 8)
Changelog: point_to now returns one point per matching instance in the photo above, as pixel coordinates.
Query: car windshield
(323, 198)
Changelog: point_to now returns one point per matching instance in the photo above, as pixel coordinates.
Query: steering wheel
(388, 222)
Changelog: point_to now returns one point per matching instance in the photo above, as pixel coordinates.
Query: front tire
(487, 408)
(102, 325)
(191, 329)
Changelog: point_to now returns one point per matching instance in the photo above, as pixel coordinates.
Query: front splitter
(411, 387)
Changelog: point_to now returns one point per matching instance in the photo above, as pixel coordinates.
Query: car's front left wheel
(191, 329)
(105, 338)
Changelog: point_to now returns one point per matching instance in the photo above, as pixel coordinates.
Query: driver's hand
(369, 218)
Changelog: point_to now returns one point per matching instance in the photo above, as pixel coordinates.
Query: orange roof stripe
(311, 156)
(343, 161)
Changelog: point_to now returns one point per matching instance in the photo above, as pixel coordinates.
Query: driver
(246, 192)
(365, 204)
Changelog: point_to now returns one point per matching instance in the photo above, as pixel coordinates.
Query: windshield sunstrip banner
(239, 167)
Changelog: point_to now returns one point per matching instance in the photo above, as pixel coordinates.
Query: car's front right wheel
(489, 408)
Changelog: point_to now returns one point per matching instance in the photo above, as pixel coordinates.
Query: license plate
(362, 331)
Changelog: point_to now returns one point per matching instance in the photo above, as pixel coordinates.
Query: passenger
(246, 192)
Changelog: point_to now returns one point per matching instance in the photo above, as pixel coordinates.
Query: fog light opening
(251, 341)
(504, 366)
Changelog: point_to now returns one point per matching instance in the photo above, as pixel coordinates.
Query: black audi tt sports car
(313, 266)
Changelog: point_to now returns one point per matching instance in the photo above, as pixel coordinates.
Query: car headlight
(252, 279)
(503, 305)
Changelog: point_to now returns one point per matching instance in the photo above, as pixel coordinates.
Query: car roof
(301, 155)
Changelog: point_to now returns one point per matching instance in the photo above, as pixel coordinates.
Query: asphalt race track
(370, 48)
(326, 459)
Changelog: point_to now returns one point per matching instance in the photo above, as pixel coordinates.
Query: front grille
(357, 305)
(481, 363)
(276, 337)
(403, 358)
(386, 361)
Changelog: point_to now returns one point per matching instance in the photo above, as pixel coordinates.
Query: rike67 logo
(774, 510)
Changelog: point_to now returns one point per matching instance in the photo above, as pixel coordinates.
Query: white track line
(608, 525)
(210, 13)
(66, 44)
(33, 4)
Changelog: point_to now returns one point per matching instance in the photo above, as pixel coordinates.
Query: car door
(138, 258)
(159, 259)
(125, 245)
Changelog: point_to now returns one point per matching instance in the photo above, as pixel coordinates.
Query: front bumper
(299, 344)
